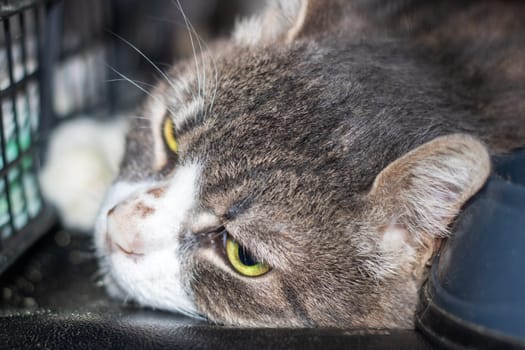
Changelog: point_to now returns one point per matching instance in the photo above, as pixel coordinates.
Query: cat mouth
(128, 252)
(114, 247)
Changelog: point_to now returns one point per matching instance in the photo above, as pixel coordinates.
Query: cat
(303, 172)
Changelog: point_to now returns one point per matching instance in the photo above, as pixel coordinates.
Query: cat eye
(242, 261)
(168, 132)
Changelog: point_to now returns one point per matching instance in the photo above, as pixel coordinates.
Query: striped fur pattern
(337, 147)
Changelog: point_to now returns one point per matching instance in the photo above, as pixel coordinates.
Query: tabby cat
(303, 172)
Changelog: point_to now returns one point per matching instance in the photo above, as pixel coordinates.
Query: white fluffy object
(82, 160)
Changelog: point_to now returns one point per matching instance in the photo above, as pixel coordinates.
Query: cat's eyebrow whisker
(175, 85)
(201, 43)
(141, 117)
(215, 70)
(204, 52)
(156, 98)
(214, 63)
(139, 82)
(199, 80)
(131, 81)
(142, 83)
(204, 55)
(216, 87)
(160, 71)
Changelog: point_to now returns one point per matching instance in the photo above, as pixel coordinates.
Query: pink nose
(122, 234)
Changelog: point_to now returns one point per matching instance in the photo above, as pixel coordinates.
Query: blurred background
(94, 33)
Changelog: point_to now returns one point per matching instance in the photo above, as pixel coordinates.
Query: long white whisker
(160, 71)
(202, 43)
(142, 83)
(216, 87)
(192, 47)
(131, 81)
(139, 87)
(140, 117)
(201, 53)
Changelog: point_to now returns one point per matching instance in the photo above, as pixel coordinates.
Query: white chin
(153, 281)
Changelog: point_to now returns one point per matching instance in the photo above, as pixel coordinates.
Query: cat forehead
(223, 81)
(267, 109)
(230, 83)
(272, 109)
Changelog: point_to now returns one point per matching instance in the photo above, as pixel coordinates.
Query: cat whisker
(199, 77)
(160, 71)
(216, 86)
(139, 117)
(131, 81)
(97, 277)
(148, 125)
(201, 80)
(206, 51)
(142, 83)
(103, 270)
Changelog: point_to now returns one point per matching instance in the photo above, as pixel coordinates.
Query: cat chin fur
(82, 160)
(140, 277)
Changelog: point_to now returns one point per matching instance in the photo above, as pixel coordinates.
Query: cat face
(285, 181)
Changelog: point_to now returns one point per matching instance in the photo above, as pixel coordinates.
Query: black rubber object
(475, 294)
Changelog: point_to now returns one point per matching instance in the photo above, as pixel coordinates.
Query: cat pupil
(246, 257)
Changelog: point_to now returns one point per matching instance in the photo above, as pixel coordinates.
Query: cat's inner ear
(422, 192)
(285, 20)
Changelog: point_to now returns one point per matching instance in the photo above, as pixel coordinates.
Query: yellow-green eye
(168, 131)
(242, 261)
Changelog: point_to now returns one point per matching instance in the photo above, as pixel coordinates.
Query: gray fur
(297, 144)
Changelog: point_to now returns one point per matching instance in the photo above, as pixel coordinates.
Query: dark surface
(50, 299)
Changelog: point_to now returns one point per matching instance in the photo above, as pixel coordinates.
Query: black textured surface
(451, 331)
(140, 332)
(50, 300)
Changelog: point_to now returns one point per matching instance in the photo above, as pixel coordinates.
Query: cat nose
(122, 233)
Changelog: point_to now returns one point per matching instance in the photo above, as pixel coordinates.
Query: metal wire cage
(23, 216)
(52, 56)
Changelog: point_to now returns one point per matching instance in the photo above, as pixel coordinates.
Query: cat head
(287, 177)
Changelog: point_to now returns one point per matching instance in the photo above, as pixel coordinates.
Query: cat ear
(422, 192)
(284, 20)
